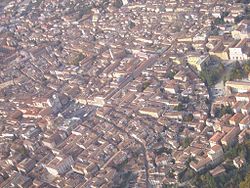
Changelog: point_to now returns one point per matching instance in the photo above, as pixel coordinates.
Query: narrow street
(140, 143)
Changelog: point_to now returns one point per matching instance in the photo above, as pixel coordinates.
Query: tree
(184, 99)
(85, 10)
(162, 90)
(247, 147)
(78, 58)
(236, 74)
(145, 85)
(162, 8)
(231, 153)
(226, 110)
(163, 150)
(188, 118)
(238, 19)
(142, 87)
(238, 71)
(243, 1)
(219, 112)
(186, 142)
(170, 74)
(211, 75)
(208, 181)
(246, 182)
(118, 4)
(180, 107)
(246, 67)
(23, 151)
(224, 14)
(220, 20)
(131, 25)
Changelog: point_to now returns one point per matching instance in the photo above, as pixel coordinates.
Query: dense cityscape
(125, 93)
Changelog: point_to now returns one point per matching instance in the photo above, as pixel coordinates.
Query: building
(245, 97)
(201, 164)
(245, 122)
(125, 2)
(230, 137)
(220, 52)
(236, 118)
(242, 31)
(216, 138)
(198, 61)
(217, 171)
(238, 86)
(26, 165)
(216, 154)
(59, 165)
(241, 51)
(246, 108)
(171, 87)
(154, 112)
(239, 162)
